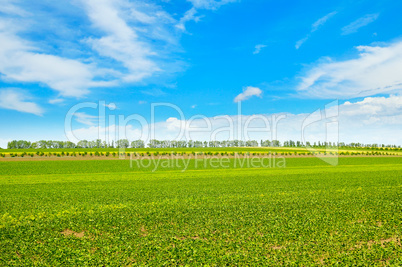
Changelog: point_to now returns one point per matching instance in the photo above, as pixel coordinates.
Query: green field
(106, 213)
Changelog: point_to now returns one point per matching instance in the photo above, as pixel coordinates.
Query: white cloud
(4, 142)
(357, 24)
(376, 70)
(258, 48)
(56, 101)
(108, 133)
(210, 4)
(120, 42)
(8, 7)
(154, 92)
(314, 27)
(301, 41)
(322, 21)
(190, 15)
(111, 106)
(133, 43)
(248, 92)
(123, 41)
(373, 106)
(15, 99)
(21, 61)
(372, 120)
(86, 119)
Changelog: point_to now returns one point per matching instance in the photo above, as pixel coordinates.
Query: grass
(106, 213)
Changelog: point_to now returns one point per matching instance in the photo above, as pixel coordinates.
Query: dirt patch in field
(69, 232)
(321, 260)
(144, 231)
(382, 242)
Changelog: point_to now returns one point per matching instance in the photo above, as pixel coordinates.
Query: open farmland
(200, 133)
(106, 213)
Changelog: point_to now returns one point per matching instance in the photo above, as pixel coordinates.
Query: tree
(138, 144)
(122, 143)
(82, 144)
(276, 143)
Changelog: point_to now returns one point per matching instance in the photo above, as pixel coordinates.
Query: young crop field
(113, 213)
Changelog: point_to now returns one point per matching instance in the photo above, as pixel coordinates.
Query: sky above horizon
(204, 58)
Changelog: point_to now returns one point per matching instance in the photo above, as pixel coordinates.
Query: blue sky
(204, 56)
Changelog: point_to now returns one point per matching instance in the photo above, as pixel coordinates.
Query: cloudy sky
(204, 57)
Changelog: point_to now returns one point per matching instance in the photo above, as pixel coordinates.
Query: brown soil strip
(68, 232)
(55, 158)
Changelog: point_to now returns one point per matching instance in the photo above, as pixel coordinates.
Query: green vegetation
(288, 151)
(106, 213)
(172, 144)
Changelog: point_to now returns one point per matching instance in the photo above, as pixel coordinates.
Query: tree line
(125, 143)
